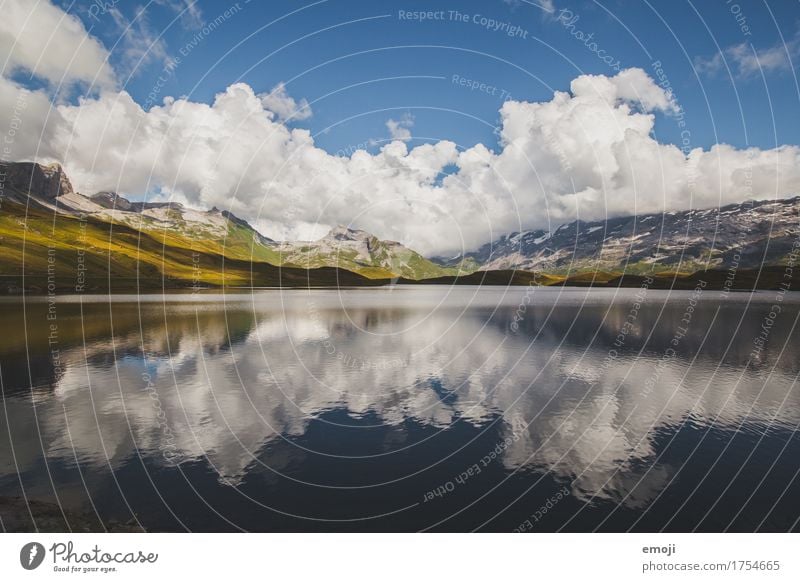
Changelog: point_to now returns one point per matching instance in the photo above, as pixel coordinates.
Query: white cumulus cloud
(401, 129)
(283, 106)
(43, 40)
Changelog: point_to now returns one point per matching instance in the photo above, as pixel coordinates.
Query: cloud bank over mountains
(586, 153)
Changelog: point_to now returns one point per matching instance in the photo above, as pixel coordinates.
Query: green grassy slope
(41, 245)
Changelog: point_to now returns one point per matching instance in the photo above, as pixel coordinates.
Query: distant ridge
(746, 235)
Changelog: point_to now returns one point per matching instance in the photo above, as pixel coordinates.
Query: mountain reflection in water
(406, 409)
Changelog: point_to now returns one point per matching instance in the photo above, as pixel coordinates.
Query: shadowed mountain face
(45, 183)
(296, 409)
(746, 235)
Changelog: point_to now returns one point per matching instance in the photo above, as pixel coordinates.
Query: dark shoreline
(21, 516)
(744, 280)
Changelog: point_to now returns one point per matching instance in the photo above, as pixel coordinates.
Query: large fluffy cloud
(587, 153)
(40, 38)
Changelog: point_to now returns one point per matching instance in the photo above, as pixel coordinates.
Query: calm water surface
(436, 408)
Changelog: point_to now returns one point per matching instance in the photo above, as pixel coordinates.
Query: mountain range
(746, 235)
(48, 229)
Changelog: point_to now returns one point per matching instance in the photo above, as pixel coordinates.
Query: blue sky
(379, 65)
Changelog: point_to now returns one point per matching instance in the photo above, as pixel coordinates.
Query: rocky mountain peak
(47, 181)
(112, 201)
(343, 233)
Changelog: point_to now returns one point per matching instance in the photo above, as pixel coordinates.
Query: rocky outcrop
(44, 181)
(112, 201)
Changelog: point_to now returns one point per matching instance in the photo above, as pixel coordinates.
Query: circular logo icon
(31, 555)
